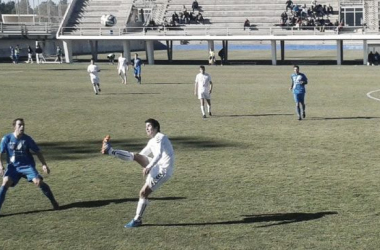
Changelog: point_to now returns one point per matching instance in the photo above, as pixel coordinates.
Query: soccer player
(59, 55)
(299, 81)
(111, 58)
(137, 68)
(203, 88)
(157, 170)
(30, 55)
(122, 67)
(94, 70)
(20, 162)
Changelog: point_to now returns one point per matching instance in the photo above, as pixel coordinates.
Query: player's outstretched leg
(49, 194)
(121, 154)
(3, 192)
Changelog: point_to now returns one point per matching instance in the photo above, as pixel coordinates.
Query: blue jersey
(298, 88)
(137, 62)
(18, 150)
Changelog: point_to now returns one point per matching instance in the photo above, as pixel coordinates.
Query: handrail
(214, 31)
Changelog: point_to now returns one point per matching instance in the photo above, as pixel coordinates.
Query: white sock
(209, 108)
(122, 154)
(141, 205)
(95, 89)
(203, 110)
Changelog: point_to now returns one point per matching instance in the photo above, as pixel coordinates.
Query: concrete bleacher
(232, 13)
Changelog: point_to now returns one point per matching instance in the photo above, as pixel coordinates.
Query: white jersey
(162, 150)
(94, 75)
(122, 63)
(203, 81)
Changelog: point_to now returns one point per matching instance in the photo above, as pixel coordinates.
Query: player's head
(296, 69)
(92, 61)
(152, 126)
(202, 69)
(18, 125)
(136, 55)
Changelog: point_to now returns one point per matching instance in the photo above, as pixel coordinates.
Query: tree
(7, 8)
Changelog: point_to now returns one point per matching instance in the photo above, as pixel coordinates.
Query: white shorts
(122, 71)
(204, 95)
(156, 177)
(94, 80)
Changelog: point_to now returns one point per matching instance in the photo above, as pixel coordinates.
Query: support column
(282, 50)
(68, 48)
(211, 45)
(127, 50)
(339, 51)
(169, 49)
(225, 45)
(94, 49)
(150, 51)
(365, 52)
(274, 52)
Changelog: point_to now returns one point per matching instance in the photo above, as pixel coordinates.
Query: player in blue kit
(137, 67)
(299, 81)
(20, 162)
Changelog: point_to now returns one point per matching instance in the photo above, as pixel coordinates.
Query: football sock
(3, 191)
(122, 154)
(95, 89)
(203, 110)
(47, 192)
(209, 108)
(141, 205)
(299, 111)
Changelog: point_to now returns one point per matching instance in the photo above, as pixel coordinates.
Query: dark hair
(17, 119)
(154, 123)
(296, 66)
(202, 67)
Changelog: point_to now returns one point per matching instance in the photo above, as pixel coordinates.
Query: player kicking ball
(157, 160)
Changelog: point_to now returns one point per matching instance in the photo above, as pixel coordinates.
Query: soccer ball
(108, 20)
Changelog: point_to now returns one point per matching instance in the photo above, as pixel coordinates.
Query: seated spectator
(284, 17)
(370, 58)
(175, 18)
(289, 5)
(200, 18)
(195, 5)
(340, 27)
(330, 9)
(187, 17)
(181, 18)
(296, 10)
(247, 23)
(192, 18)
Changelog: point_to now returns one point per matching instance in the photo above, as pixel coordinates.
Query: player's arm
(211, 85)
(1, 164)
(195, 87)
(304, 79)
(291, 85)
(40, 157)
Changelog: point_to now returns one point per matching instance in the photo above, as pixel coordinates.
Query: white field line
(374, 98)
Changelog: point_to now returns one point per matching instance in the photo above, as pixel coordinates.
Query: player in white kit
(94, 70)
(122, 68)
(157, 170)
(203, 89)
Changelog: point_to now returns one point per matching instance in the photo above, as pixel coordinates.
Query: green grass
(250, 177)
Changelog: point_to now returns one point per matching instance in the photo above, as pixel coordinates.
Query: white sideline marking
(374, 98)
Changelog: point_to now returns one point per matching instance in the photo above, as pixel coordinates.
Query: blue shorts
(137, 71)
(299, 97)
(28, 172)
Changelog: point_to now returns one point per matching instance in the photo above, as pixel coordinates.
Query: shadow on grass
(278, 219)
(94, 204)
(345, 118)
(253, 115)
(74, 150)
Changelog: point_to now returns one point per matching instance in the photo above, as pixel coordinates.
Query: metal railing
(209, 31)
(29, 28)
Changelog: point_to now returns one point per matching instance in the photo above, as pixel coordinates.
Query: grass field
(250, 177)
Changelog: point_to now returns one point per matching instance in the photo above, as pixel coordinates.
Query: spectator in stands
(370, 58)
(59, 55)
(30, 55)
(247, 23)
(12, 56)
(200, 18)
(211, 58)
(289, 5)
(222, 56)
(330, 9)
(111, 58)
(296, 10)
(187, 17)
(284, 17)
(340, 27)
(313, 2)
(195, 5)
(181, 17)
(192, 17)
(175, 18)
(17, 53)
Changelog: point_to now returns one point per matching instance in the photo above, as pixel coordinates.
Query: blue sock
(3, 191)
(46, 190)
